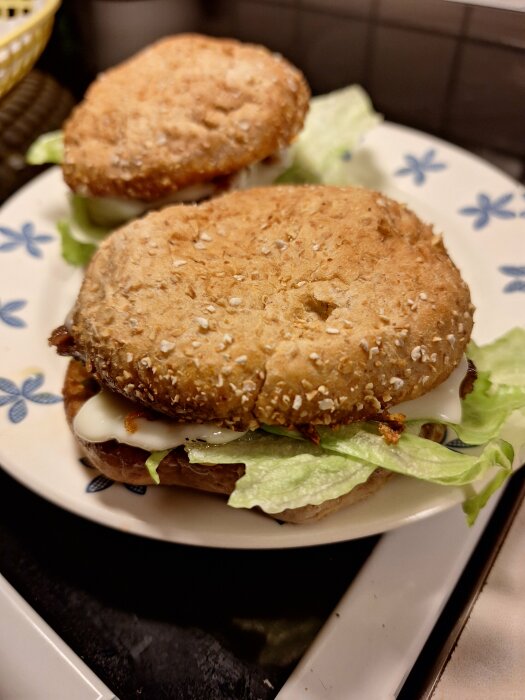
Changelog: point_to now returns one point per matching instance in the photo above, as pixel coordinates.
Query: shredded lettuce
(48, 148)
(152, 464)
(504, 358)
(73, 251)
(498, 392)
(473, 505)
(83, 224)
(285, 471)
(334, 126)
(282, 472)
(80, 238)
(486, 410)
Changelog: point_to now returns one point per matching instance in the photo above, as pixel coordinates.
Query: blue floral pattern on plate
(101, 483)
(458, 444)
(18, 397)
(517, 275)
(7, 311)
(420, 167)
(26, 237)
(487, 208)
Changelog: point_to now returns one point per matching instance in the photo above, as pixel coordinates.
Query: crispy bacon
(467, 385)
(309, 432)
(62, 341)
(390, 425)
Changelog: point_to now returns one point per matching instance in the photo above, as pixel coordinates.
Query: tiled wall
(451, 69)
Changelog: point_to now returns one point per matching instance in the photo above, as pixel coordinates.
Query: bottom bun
(126, 464)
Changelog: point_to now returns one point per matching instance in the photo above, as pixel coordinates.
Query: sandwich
(290, 347)
(183, 120)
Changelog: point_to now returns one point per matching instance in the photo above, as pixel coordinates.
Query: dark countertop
(154, 619)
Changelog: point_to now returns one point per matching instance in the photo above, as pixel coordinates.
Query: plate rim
(242, 540)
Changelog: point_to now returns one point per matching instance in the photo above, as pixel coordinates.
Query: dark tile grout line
(374, 18)
(454, 70)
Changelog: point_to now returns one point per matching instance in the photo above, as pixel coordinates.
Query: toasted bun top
(183, 111)
(284, 305)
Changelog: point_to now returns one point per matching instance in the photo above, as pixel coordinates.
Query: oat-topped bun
(286, 305)
(185, 111)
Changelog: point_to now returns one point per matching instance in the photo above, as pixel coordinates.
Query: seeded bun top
(185, 110)
(284, 305)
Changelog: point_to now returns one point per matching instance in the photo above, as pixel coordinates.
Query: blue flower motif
(457, 444)
(486, 209)
(517, 273)
(101, 482)
(418, 167)
(139, 490)
(7, 311)
(18, 397)
(522, 214)
(26, 238)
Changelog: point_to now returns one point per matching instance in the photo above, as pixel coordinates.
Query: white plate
(480, 212)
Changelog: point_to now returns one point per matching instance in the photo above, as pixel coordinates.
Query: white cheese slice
(263, 173)
(103, 416)
(442, 404)
(111, 211)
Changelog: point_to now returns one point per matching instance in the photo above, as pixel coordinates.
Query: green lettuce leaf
(48, 148)
(73, 251)
(499, 390)
(473, 505)
(79, 236)
(282, 472)
(334, 126)
(152, 464)
(486, 409)
(504, 358)
(415, 456)
(82, 223)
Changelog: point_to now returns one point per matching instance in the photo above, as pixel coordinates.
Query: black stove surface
(160, 620)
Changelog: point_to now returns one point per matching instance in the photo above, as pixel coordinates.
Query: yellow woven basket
(25, 27)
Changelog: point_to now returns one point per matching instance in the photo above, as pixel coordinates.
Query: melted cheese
(103, 417)
(111, 211)
(263, 173)
(442, 404)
